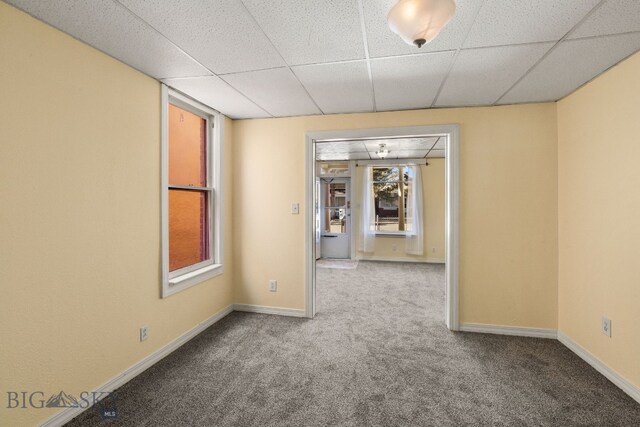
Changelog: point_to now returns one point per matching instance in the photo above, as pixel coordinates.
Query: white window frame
(184, 278)
(398, 233)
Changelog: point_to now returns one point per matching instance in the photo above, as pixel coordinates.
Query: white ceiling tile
(220, 34)
(440, 144)
(192, 38)
(481, 76)
(436, 154)
(217, 94)
(308, 32)
(373, 146)
(340, 147)
(359, 156)
(339, 87)
(400, 148)
(401, 143)
(342, 156)
(109, 27)
(383, 42)
(613, 17)
(408, 154)
(277, 91)
(503, 22)
(408, 82)
(570, 65)
(424, 143)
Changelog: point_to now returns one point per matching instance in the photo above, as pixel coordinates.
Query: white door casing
(451, 133)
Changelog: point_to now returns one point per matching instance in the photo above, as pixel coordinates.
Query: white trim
(309, 229)
(67, 414)
(451, 133)
(620, 381)
(183, 279)
(263, 309)
(218, 195)
(164, 185)
(401, 259)
(518, 331)
(193, 278)
(383, 233)
(352, 233)
(452, 226)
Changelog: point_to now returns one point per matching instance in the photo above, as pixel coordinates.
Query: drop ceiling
(264, 58)
(399, 148)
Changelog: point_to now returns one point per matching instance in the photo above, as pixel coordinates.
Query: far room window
(390, 192)
(191, 193)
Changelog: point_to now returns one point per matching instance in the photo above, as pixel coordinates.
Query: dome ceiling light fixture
(419, 21)
(382, 152)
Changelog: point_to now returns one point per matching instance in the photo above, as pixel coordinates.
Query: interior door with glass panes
(335, 217)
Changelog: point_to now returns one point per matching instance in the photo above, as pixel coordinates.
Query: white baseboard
(402, 259)
(127, 375)
(520, 331)
(263, 309)
(624, 384)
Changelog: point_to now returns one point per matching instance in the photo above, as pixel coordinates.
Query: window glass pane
(187, 148)
(335, 220)
(390, 191)
(334, 168)
(386, 174)
(188, 228)
(335, 194)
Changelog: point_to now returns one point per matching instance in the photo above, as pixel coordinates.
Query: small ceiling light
(419, 21)
(382, 152)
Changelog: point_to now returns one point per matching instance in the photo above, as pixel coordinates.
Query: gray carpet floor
(377, 354)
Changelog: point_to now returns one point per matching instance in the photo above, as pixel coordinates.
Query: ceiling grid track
(551, 49)
(455, 56)
(253, 18)
(188, 55)
(367, 57)
(431, 149)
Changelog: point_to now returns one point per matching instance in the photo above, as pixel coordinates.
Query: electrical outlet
(273, 285)
(433, 250)
(606, 327)
(144, 333)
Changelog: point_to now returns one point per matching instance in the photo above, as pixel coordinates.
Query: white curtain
(415, 238)
(367, 212)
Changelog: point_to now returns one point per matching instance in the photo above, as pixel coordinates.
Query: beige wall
(79, 218)
(599, 217)
(508, 221)
(433, 199)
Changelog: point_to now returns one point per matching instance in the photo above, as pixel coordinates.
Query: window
(391, 194)
(334, 168)
(191, 174)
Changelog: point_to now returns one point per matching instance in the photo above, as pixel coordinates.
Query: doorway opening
(364, 189)
(333, 218)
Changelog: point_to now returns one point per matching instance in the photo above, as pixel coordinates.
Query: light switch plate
(144, 333)
(606, 327)
(295, 208)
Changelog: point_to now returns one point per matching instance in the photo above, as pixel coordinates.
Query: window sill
(193, 278)
(390, 234)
